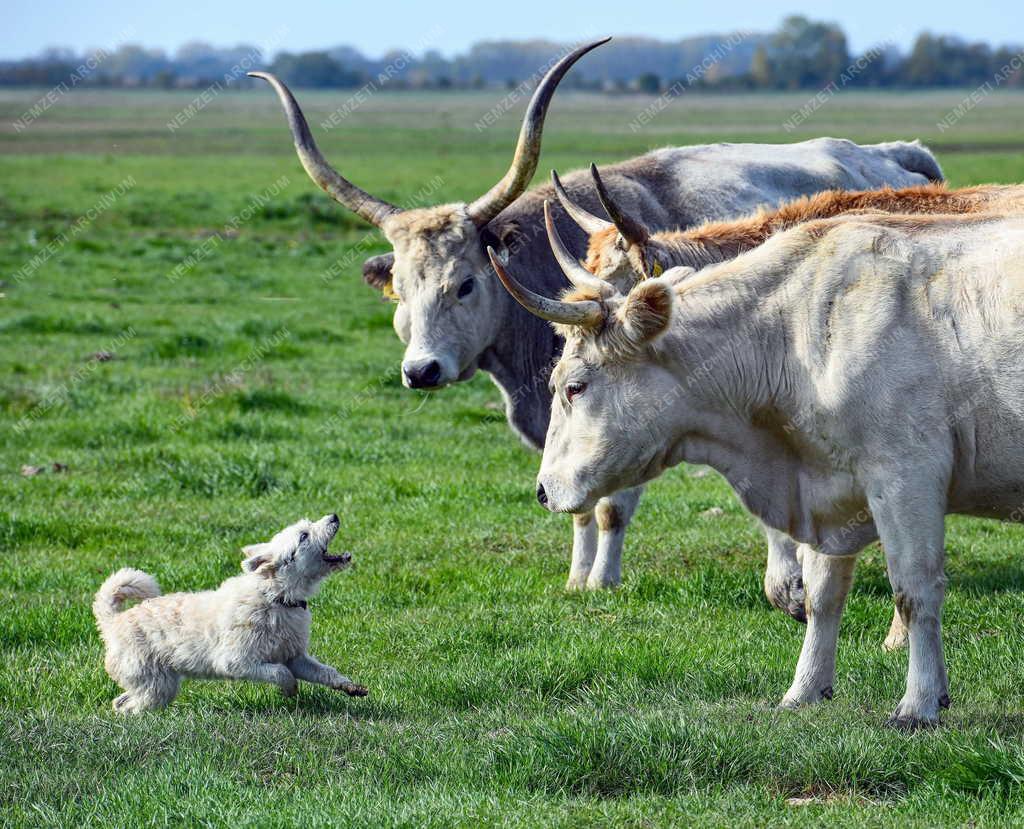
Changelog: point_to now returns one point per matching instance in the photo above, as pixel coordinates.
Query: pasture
(203, 361)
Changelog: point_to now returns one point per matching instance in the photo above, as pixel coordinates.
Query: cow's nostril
(542, 496)
(431, 373)
(422, 375)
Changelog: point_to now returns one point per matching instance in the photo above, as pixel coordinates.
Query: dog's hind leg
(155, 689)
(308, 669)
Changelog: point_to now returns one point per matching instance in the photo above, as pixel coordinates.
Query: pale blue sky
(451, 25)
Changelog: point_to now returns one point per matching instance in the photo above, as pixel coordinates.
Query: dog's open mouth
(338, 561)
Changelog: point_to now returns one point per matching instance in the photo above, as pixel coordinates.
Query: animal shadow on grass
(1008, 725)
(318, 701)
(985, 576)
(965, 574)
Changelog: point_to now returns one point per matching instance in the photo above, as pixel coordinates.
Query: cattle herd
(826, 324)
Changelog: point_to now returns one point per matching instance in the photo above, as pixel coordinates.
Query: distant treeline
(802, 54)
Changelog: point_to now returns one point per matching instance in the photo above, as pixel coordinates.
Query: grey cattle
(453, 315)
(853, 379)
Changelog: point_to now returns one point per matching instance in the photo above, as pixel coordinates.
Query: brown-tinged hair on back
(751, 231)
(732, 237)
(817, 228)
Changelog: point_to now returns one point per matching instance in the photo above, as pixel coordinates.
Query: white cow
(624, 251)
(853, 379)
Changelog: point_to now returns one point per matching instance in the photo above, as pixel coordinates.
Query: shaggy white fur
(254, 626)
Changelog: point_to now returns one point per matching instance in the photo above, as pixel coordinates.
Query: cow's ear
(377, 273)
(504, 238)
(647, 311)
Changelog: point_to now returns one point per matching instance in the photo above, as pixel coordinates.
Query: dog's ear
(262, 564)
(260, 559)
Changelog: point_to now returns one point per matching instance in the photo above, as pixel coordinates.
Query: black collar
(301, 603)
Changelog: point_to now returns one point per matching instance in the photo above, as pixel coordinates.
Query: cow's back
(909, 334)
(723, 181)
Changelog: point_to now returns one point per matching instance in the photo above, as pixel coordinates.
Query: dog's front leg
(305, 667)
(273, 674)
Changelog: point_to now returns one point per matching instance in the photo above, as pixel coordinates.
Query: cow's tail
(126, 584)
(915, 157)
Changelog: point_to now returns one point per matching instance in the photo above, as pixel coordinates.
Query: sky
(452, 25)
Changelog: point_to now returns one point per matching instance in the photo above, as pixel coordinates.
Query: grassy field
(247, 389)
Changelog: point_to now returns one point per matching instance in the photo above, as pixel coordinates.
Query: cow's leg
(897, 637)
(910, 519)
(584, 548)
(827, 580)
(613, 515)
(783, 579)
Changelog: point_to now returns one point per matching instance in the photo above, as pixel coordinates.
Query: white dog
(254, 626)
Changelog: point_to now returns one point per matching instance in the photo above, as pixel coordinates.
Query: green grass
(251, 391)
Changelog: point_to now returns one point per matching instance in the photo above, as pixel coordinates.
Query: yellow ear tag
(657, 270)
(389, 292)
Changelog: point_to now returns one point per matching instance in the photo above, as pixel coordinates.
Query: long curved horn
(374, 210)
(524, 162)
(584, 218)
(632, 230)
(586, 313)
(574, 271)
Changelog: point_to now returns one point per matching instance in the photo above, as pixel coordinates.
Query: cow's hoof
(800, 698)
(602, 584)
(910, 725)
(909, 718)
(897, 637)
(895, 642)
(577, 582)
(788, 596)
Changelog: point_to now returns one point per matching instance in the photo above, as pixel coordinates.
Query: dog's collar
(301, 603)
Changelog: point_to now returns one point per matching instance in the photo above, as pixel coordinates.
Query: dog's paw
(124, 704)
(353, 689)
(132, 704)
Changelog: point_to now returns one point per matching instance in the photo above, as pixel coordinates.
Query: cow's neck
(525, 348)
(519, 362)
(728, 354)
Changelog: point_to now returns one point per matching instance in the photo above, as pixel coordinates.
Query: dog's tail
(124, 584)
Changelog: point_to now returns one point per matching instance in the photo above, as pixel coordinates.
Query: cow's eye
(466, 288)
(574, 389)
(303, 538)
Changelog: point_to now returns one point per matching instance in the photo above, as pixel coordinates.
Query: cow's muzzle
(421, 374)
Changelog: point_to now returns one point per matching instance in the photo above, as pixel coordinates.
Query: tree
(808, 54)
(313, 69)
(760, 68)
(649, 82)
